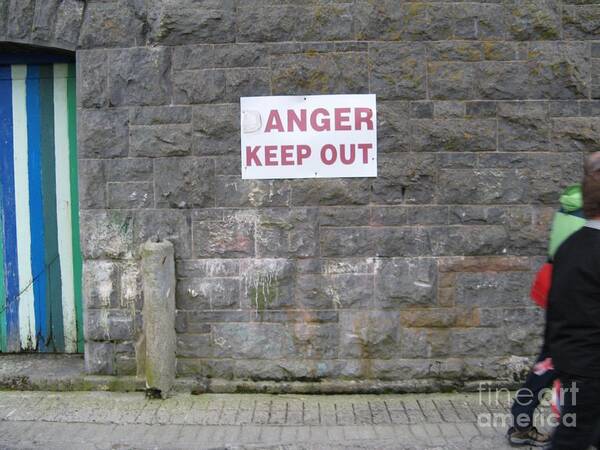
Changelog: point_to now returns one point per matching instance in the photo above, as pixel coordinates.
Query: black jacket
(573, 317)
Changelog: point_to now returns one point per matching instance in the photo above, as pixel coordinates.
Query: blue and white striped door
(40, 261)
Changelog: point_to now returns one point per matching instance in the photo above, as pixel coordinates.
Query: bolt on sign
(313, 136)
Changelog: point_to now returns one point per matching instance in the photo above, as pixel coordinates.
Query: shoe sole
(522, 442)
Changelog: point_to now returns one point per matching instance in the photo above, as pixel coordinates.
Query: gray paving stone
(101, 420)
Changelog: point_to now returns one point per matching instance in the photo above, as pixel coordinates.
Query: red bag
(541, 285)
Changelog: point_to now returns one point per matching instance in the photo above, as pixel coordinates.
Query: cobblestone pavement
(102, 420)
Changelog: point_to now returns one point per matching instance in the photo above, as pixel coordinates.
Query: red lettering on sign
(365, 148)
(251, 155)
(363, 115)
(347, 159)
(274, 122)
(303, 152)
(270, 155)
(287, 157)
(341, 120)
(293, 119)
(324, 150)
(324, 123)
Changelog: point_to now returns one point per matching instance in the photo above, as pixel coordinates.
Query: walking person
(573, 322)
(566, 221)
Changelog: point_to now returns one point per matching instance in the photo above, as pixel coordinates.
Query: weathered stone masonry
(420, 275)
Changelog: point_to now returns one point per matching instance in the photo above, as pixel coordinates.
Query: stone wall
(486, 110)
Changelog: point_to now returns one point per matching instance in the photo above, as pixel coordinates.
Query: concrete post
(158, 277)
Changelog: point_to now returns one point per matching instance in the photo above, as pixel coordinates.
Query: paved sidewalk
(103, 420)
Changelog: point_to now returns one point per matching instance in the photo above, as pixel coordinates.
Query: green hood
(566, 221)
(571, 199)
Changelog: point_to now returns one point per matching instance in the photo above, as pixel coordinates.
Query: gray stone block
(343, 291)
(130, 195)
(468, 240)
(160, 115)
(457, 160)
(139, 76)
(244, 82)
(369, 334)
(208, 293)
(199, 86)
(106, 234)
(424, 21)
(252, 340)
(232, 191)
(340, 191)
(346, 242)
(92, 78)
(103, 133)
(591, 108)
(534, 19)
(402, 282)
(523, 126)
(332, 73)
(194, 346)
(230, 239)
(342, 216)
(99, 358)
(559, 70)
(481, 109)
(398, 71)
(483, 20)
(164, 224)
(452, 80)
(193, 187)
(421, 110)
(449, 109)
(315, 341)
(393, 127)
(405, 241)
(160, 140)
(454, 135)
(129, 169)
(112, 24)
(207, 268)
(68, 22)
(505, 51)
(581, 21)
(188, 22)
(499, 80)
(44, 18)
(477, 342)
(382, 20)
(267, 284)
(405, 178)
(131, 286)
(4, 13)
(415, 343)
(388, 216)
(493, 289)
(20, 19)
(291, 233)
(216, 129)
(455, 51)
(324, 22)
(92, 183)
(576, 134)
(220, 56)
(101, 284)
(109, 325)
(491, 186)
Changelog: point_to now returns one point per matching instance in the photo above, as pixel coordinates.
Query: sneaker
(530, 436)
